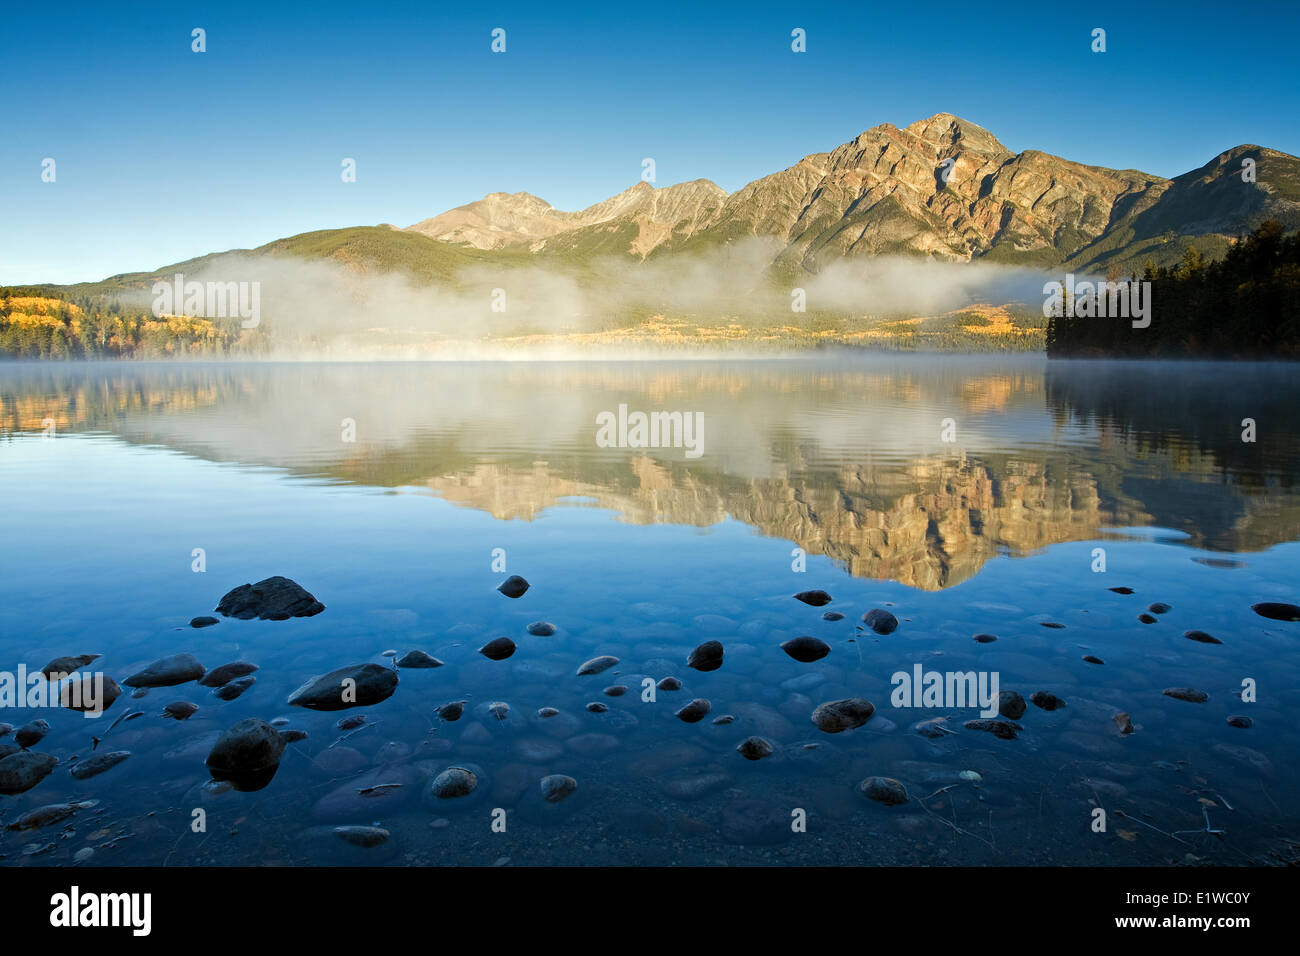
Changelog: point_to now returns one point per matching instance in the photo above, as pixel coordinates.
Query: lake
(1004, 497)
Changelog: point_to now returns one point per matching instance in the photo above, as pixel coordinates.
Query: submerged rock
(452, 711)
(180, 710)
(1011, 705)
(273, 599)
(233, 689)
(61, 667)
(293, 736)
(880, 621)
(418, 659)
(88, 692)
(597, 664)
(21, 771)
(596, 707)
(615, 690)
(1189, 694)
(934, 728)
(706, 657)
(541, 629)
(220, 676)
(167, 672)
(351, 723)
(669, 683)
(499, 709)
(96, 764)
(31, 733)
(250, 747)
(358, 685)
(498, 649)
(545, 712)
(835, 716)
(1055, 625)
(1092, 659)
(1160, 607)
(1002, 729)
(985, 638)
(1124, 722)
(1121, 590)
(1240, 722)
(557, 786)
(454, 782)
(832, 616)
(1275, 611)
(693, 712)
(1041, 698)
(1201, 637)
(513, 586)
(204, 621)
(362, 836)
(723, 719)
(52, 813)
(1146, 618)
(754, 748)
(806, 649)
(884, 790)
(815, 598)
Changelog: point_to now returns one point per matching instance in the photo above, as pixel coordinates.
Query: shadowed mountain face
(842, 460)
(942, 187)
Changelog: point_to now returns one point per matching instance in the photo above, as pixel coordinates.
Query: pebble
(367, 684)
(884, 790)
(98, 763)
(1011, 705)
(499, 709)
(352, 722)
(293, 736)
(61, 667)
(1236, 720)
(1041, 698)
(1002, 729)
(226, 673)
(1055, 625)
(251, 746)
(180, 710)
(50, 814)
(204, 621)
(806, 649)
(557, 786)
(513, 586)
(1093, 659)
(452, 711)
(418, 659)
(1146, 618)
(1121, 590)
(31, 733)
(454, 782)
(234, 688)
(362, 836)
(1190, 694)
(1201, 637)
(545, 712)
(706, 657)
(541, 629)
(832, 616)
(933, 728)
(723, 719)
(596, 665)
(880, 621)
(21, 771)
(754, 748)
(669, 683)
(167, 672)
(985, 638)
(1160, 607)
(498, 649)
(615, 690)
(596, 707)
(693, 712)
(835, 716)
(1277, 612)
(816, 598)
(1124, 722)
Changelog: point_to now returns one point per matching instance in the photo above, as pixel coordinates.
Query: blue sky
(163, 154)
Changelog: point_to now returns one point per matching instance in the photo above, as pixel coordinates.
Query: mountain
(942, 187)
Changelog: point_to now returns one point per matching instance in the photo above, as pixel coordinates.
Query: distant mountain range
(941, 188)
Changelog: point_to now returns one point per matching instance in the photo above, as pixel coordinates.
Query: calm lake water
(826, 474)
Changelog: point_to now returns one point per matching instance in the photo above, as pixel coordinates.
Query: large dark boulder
(275, 599)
